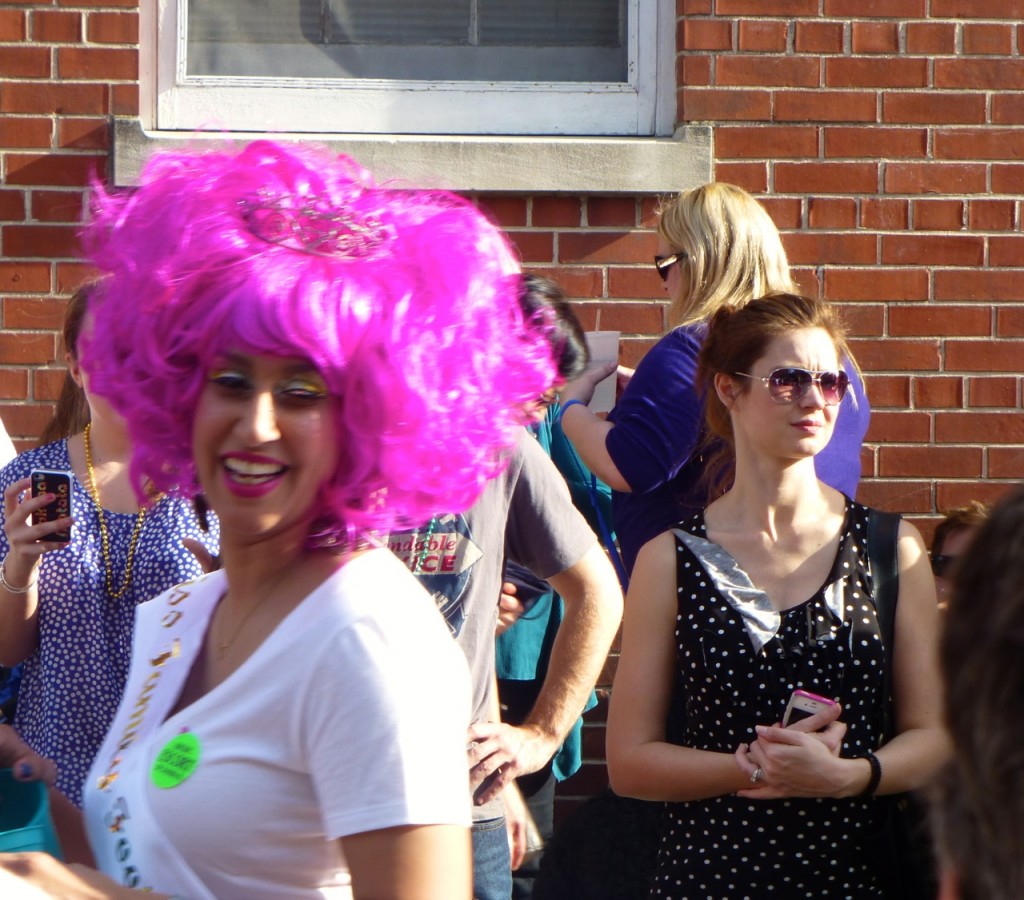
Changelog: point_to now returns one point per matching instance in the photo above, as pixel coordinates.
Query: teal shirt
(522, 652)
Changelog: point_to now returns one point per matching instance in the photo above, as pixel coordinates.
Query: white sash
(126, 839)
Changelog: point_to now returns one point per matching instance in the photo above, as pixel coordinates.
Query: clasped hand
(801, 760)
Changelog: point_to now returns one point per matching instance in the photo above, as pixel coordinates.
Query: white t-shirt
(351, 717)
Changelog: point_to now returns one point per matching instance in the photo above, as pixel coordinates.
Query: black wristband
(876, 775)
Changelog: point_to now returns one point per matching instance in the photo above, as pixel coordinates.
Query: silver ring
(757, 776)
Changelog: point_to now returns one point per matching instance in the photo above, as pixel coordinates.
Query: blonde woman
(717, 248)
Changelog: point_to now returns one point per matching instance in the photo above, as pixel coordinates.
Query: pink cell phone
(803, 704)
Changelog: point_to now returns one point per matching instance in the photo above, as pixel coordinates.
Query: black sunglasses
(790, 383)
(941, 564)
(664, 263)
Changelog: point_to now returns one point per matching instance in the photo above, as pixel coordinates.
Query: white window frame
(643, 106)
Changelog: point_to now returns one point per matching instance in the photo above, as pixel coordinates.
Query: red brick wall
(65, 68)
(882, 134)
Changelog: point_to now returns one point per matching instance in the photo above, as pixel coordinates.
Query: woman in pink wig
(325, 360)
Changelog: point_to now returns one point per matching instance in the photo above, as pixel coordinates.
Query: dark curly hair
(978, 804)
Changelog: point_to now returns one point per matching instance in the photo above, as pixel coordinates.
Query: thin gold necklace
(224, 646)
(108, 567)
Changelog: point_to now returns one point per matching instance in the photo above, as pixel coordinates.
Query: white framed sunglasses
(790, 383)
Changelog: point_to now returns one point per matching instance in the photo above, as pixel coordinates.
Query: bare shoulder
(658, 552)
(653, 580)
(917, 584)
(651, 604)
(910, 540)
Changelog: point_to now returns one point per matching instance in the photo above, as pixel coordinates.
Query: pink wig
(405, 301)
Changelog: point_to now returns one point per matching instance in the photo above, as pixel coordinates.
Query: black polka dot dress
(739, 661)
(72, 685)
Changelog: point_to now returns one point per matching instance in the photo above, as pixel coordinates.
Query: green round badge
(177, 761)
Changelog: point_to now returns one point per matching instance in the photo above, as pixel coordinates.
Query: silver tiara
(313, 224)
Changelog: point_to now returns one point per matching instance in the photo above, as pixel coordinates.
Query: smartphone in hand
(803, 704)
(45, 481)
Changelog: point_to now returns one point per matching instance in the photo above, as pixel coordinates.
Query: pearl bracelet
(4, 583)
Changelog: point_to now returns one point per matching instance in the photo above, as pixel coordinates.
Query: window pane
(399, 21)
(553, 23)
(410, 40)
(330, 21)
(254, 21)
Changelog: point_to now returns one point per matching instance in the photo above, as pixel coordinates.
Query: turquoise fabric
(522, 652)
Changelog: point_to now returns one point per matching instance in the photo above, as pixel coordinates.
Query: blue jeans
(492, 864)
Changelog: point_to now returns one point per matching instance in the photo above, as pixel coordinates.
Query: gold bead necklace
(104, 536)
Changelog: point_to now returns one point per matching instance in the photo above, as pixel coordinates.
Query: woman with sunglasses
(951, 538)
(768, 590)
(717, 248)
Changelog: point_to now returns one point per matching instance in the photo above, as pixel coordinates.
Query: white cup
(604, 348)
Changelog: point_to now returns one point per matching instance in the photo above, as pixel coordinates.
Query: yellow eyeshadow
(310, 385)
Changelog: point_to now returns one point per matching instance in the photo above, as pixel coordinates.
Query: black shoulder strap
(883, 532)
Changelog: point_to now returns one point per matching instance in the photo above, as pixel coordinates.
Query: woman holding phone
(325, 360)
(67, 606)
(767, 591)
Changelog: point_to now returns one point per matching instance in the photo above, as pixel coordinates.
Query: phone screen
(58, 483)
(796, 714)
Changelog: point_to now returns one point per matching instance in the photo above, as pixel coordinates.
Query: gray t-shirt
(460, 558)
